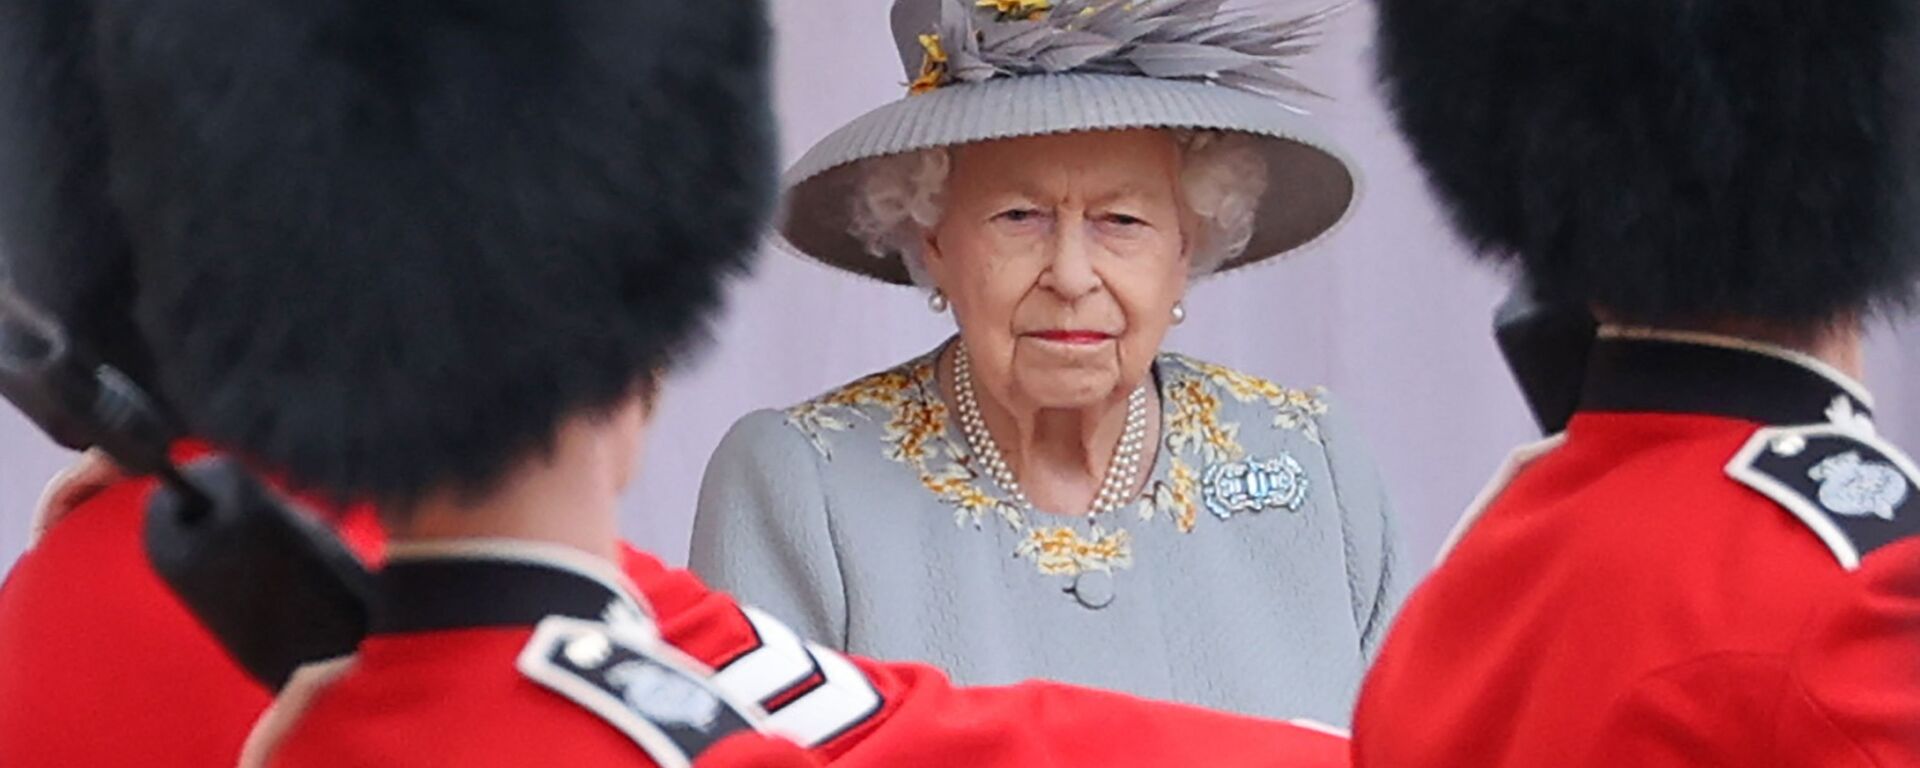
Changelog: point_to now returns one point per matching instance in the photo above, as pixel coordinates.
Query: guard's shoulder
(664, 701)
(1856, 491)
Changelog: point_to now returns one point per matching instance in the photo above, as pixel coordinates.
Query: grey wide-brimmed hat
(996, 69)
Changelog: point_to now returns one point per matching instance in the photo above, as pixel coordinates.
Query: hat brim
(1311, 185)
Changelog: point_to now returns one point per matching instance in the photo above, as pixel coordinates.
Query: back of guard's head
(383, 247)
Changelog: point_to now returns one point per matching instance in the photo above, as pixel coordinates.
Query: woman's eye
(1019, 215)
(1124, 220)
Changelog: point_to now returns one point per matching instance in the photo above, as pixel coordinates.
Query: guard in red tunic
(99, 664)
(436, 254)
(1716, 561)
(67, 610)
(544, 656)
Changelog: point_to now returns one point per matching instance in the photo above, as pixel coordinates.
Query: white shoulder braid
(660, 698)
(675, 708)
(1856, 491)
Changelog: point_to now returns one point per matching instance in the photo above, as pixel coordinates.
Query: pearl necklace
(1123, 472)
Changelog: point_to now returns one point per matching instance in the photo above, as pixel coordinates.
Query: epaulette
(1856, 491)
(653, 693)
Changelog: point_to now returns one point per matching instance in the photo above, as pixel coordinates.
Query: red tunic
(1671, 584)
(101, 665)
(92, 636)
(457, 674)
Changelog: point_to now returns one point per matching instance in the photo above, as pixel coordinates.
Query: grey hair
(1222, 178)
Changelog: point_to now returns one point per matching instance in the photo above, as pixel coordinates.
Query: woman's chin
(1067, 387)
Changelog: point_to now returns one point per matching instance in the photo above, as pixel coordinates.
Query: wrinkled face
(1062, 257)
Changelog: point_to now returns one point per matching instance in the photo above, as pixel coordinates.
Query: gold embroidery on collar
(913, 421)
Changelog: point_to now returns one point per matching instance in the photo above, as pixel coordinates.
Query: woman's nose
(1070, 273)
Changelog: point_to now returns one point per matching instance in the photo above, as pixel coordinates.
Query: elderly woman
(1049, 494)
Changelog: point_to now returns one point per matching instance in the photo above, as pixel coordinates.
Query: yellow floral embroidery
(912, 429)
(1061, 551)
(950, 481)
(886, 390)
(1193, 423)
(1294, 409)
(814, 418)
(913, 423)
(1178, 497)
(914, 432)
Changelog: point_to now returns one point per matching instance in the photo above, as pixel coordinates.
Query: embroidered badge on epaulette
(651, 692)
(1856, 491)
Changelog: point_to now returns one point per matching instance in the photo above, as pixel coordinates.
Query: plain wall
(1389, 314)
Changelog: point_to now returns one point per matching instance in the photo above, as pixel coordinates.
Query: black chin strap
(272, 585)
(1546, 347)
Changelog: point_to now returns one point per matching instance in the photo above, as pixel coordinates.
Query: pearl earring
(937, 301)
(1179, 312)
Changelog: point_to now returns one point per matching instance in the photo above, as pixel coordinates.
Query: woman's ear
(931, 258)
(929, 244)
(1192, 234)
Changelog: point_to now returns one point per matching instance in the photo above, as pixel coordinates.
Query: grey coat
(856, 518)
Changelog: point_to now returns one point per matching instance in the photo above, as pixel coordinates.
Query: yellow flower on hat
(933, 68)
(935, 53)
(1022, 10)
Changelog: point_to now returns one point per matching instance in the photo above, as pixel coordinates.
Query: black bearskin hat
(387, 246)
(1673, 160)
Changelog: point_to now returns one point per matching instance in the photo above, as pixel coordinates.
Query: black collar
(492, 585)
(1682, 375)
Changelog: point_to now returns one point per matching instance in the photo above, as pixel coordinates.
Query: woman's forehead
(1109, 162)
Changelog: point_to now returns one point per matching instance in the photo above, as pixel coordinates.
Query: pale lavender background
(1388, 314)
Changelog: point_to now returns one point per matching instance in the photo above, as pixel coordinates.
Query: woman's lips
(1072, 337)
